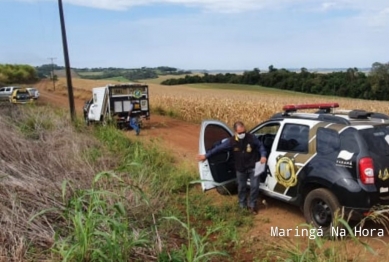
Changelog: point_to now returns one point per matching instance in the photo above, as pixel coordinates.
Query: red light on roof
(310, 106)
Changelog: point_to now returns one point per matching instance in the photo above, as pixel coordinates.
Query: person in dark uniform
(247, 151)
(87, 104)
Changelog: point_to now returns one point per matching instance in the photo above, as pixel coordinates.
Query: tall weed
(195, 249)
(100, 226)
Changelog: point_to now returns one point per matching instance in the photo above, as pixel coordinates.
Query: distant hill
(311, 70)
(327, 70)
(45, 71)
(218, 71)
(62, 73)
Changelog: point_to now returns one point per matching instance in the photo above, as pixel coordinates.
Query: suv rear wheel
(320, 207)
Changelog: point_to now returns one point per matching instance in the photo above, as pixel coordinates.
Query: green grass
(160, 79)
(177, 194)
(196, 247)
(100, 226)
(317, 248)
(92, 154)
(36, 121)
(117, 78)
(147, 206)
(251, 88)
(113, 220)
(81, 74)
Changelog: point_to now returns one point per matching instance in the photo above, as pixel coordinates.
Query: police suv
(322, 161)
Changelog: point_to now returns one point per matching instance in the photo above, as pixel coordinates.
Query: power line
(52, 71)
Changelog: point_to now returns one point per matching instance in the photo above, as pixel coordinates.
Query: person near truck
(247, 151)
(133, 122)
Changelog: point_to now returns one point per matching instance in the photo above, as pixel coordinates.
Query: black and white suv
(321, 161)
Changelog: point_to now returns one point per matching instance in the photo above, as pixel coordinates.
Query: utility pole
(52, 71)
(67, 63)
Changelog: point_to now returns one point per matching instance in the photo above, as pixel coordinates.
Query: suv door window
(2, 89)
(214, 134)
(294, 138)
(221, 164)
(327, 141)
(266, 134)
(8, 89)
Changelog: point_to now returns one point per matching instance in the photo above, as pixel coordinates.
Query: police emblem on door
(286, 171)
(383, 174)
(137, 93)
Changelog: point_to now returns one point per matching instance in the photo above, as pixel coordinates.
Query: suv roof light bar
(323, 106)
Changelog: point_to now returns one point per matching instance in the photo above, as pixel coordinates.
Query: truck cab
(112, 103)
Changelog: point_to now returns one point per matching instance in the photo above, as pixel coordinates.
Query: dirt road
(182, 139)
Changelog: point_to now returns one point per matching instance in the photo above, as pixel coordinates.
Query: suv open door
(218, 168)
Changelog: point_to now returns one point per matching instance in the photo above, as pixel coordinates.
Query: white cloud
(223, 6)
(381, 19)
(220, 42)
(327, 5)
(235, 5)
(285, 33)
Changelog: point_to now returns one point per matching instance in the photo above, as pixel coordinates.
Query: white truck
(111, 103)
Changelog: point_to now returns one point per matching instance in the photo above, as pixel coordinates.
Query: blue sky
(197, 34)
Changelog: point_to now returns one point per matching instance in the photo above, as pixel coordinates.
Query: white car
(6, 92)
(33, 92)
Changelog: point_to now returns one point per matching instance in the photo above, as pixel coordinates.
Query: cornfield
(194, 104)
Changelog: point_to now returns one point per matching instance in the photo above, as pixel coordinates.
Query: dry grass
(162, 78)
(194, 104)
(36, 156)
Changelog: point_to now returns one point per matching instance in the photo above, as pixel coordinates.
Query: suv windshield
(377, 139)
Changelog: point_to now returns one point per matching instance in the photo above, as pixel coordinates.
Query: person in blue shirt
(133, 122)
(247, 151)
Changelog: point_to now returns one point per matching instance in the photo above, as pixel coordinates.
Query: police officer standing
(247, 150)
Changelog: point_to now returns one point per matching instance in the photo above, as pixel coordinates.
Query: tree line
(17, 74)
(46, 70)
(131, 74)
(350, 83)
(167, 70)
